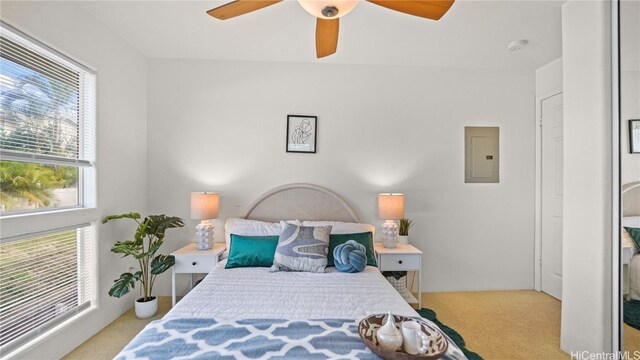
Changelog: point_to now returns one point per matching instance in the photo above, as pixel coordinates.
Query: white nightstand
(402, 258)
(190, 260)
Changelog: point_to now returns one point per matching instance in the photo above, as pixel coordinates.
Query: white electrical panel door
(482, 155)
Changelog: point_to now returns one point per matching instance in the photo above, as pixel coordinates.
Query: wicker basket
(399, 284)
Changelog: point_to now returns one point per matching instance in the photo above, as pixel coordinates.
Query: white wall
(122, 145)
(549, 78)
(220, 126)
(586, 268)
(629, 85)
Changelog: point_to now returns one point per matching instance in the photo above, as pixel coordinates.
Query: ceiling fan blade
(326, 36)
(239, 7)
(430, 9)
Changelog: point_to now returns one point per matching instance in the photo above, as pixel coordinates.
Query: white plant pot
(147, 309)
(403, 239)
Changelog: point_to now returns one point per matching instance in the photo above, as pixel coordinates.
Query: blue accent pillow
(364, 238)
(350, 257)
(251, 251)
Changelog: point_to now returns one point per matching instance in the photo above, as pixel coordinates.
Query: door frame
(617, 321)
(537, 233)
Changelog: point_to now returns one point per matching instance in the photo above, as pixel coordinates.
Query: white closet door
(552, 164)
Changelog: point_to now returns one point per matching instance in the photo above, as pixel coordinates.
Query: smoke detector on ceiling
(517, 45)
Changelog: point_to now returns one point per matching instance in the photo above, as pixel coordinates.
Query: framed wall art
(301, 133)
(634, 136)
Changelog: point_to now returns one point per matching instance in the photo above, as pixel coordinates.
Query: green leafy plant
(147, 239)
(32, 183)
(405, 225)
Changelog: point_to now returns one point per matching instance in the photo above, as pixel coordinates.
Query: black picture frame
(302, 134)
(634, 136)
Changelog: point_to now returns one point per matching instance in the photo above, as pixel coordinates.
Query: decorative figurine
(388, 335)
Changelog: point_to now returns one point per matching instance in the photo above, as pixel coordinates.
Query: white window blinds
(47, 127)
(48, 104)
(44, 279)
(47, 162)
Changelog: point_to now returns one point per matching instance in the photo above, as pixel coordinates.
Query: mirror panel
(630, 169)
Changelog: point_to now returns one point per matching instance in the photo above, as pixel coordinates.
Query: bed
(630, 258)
(252, 313)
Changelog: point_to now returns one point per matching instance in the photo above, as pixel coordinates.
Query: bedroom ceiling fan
(328, 13)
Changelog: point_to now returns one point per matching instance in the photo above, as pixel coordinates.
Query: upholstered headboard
(631, 199)
(302, 202)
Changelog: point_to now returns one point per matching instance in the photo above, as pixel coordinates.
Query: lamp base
(204, 235)
(390, 234)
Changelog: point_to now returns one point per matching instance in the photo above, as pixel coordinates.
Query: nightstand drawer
(194, 263)
(399, 262)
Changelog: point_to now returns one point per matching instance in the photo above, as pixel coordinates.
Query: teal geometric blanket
(196, 338)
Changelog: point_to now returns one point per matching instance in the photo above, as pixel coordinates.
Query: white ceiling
(472, 34)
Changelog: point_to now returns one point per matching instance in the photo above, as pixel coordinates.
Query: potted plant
(403, 231)
(147, 239)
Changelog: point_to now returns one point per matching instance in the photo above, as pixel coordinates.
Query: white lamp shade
(391, 206)
(204, 205)
(315, 7)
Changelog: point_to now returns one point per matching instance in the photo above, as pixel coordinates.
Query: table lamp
(204, 206)
(390, 208)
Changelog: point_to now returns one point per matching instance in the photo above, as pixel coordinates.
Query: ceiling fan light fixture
(328, 9)
(329, 12)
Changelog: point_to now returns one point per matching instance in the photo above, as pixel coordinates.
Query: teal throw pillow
(364, 238)
(635, 235)
(251, 251)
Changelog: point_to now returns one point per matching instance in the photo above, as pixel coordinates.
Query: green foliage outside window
(38, 115)
(33, 184)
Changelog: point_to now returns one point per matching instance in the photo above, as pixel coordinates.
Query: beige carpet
(109, 341)
(631, 339)
(502, 324)
(495, 324)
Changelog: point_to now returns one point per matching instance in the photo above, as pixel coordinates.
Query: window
(47, 163)
(47, 127)
(44, 279)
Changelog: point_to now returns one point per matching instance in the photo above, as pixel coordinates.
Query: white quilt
(631, 283)
(256, 293)
(251, 313)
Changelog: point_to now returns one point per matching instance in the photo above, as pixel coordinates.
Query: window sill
(31, 223)
(19, 352)
(44, 212)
